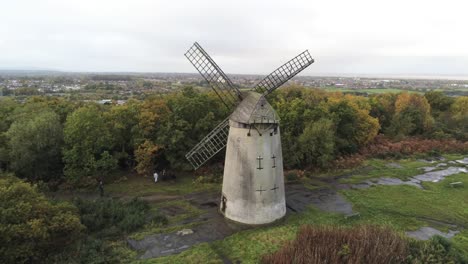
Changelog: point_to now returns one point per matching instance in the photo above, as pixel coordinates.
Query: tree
(192, 116)
(438, 101)
(354, 126)
(32, 227)
(383, 108)
(35, 144)
(7, 107)
(412, 115)
(459, 117)
(87, 139)
(123, 122)
(317, 143)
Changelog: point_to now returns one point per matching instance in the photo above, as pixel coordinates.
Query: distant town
(118, 87)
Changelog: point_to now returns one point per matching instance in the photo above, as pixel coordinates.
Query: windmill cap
(254, 108)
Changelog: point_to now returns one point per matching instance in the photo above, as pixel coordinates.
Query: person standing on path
(155, 175)
(101, 188)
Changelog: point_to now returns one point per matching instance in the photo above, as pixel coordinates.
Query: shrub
(31, 226)
(111, 217)
(94, 251)
(294, 175)
(437, 250)
(210, 178)
(326, 244)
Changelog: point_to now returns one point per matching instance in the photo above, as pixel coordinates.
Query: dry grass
(328, 244)
(383, 147)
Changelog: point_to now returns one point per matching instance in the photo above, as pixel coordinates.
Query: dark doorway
(223, 204)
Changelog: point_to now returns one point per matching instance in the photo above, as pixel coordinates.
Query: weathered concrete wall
(254, 190)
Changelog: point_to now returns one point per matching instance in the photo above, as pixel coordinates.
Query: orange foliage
(407, 100)
(145, 155)
(152, 111)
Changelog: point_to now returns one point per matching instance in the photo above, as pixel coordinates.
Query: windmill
(253, 184)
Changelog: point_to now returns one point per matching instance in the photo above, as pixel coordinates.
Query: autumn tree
(412, 115)
(354, 126)
(459, 117)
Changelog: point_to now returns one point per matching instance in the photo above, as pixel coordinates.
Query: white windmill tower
(253, 184)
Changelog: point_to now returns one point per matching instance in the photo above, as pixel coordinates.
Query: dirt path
(215, 227)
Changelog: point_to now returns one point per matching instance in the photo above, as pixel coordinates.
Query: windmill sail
(213, 143)
(217, 79)
(285, 72)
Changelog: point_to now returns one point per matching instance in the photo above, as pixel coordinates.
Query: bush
(94, 251)
(437, 250)
(111, 217)
(294, 175)
(209, 178)
(327, 244)
(31, 226)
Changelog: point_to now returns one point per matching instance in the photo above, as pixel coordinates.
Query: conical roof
(254, 109)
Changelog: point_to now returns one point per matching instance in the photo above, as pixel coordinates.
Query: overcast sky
(344, 37)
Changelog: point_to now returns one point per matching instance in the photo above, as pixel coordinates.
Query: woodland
(50, 145)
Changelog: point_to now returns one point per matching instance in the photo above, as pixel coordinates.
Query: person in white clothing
(155, 175)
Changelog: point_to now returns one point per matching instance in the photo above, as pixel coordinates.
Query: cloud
(361, 36)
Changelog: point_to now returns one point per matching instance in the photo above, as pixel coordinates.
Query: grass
(401, 207)
(143, 186)
(408, 208)
(376, 168)
(173, 224)
(249, 246)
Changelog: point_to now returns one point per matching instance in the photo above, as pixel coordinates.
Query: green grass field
(144, 186)
(403, 208)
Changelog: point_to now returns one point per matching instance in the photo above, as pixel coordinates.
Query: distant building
(105, 101)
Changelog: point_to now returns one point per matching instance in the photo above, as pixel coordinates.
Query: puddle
(299, 198)
(426, 232)
(430, 176)
(436, 176)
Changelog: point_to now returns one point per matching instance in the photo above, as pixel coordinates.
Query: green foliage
(317, 127)
(459, 117)
(412, 116)
(96, 251)
(112, 217)
(7, 107)
(437, 250)
(343, 122)
(317, 143)
(35, 143)
(32, 227)
(88, 140)
(192, 116)
(209, 178)
(439, 102)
